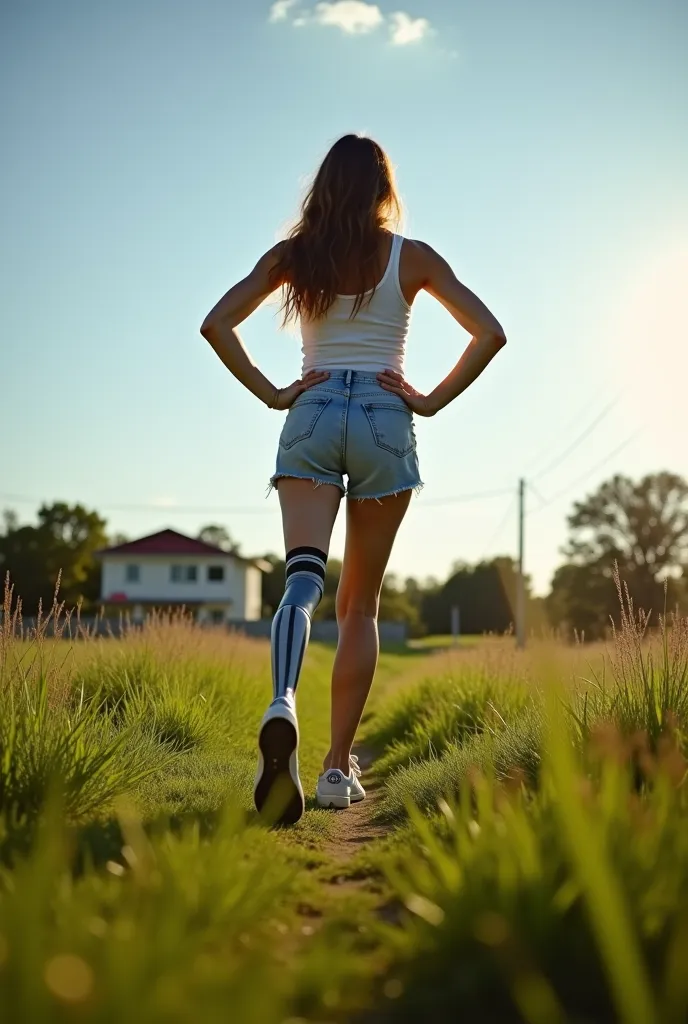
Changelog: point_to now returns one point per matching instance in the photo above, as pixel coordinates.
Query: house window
(217, 616)
(216, 573)
(132, 573)
(183, 573)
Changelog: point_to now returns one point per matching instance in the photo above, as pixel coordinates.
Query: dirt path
(338, 879)
(356, 826)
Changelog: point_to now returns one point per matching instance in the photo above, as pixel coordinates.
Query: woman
(350, 281)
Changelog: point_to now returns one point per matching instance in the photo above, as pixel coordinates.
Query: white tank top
(373, 340)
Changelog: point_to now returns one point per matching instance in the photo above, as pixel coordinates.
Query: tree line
(640, 526)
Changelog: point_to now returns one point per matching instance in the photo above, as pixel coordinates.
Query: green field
(522, 854)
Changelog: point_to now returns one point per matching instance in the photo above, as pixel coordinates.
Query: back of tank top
(373, 340)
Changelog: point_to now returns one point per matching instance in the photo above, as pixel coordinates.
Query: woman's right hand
(287, 396)
(394, 382)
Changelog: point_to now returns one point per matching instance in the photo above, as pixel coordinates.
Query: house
(168, 569)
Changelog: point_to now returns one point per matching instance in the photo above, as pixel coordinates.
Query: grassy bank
(526, 853)
(540, 853)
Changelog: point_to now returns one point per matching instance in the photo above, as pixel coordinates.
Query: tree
(485, 595)
(581, 600)
(414, 593)
(62, 544)
(219, 536)
(643, 527)
(397, 605)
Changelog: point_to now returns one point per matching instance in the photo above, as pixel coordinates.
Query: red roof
(166, 542)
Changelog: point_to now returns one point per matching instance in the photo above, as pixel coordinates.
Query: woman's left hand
(394, 382)
(287, 396)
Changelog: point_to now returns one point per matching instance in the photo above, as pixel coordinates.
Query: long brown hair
(352, 198)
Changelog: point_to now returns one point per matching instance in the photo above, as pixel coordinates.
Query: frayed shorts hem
(318, 482)
(417, 488)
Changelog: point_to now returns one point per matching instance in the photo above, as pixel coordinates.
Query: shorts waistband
(353, 376)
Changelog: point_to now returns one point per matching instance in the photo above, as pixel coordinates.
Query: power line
(588, 473)
(478, 496)
(533, 488)
(570, 424)
(242, 510)
(499, 527)
(578, 440)
(467, 497)
(221, 510)
(152, 507)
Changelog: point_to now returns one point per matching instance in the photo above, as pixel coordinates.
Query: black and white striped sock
(291, 626)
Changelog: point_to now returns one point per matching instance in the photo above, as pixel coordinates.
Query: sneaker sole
(277, 793)
(337, 803)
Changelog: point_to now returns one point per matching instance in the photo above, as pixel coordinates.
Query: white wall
(241, 587)
(254, 593)
(155, 583)
(236, 579)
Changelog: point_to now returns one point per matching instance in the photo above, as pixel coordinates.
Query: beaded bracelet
(275, 398)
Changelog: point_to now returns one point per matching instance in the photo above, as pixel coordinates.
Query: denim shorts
(350, 426)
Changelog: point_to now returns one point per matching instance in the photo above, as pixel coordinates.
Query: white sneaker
(335, 789)
(277, 788)
(357, 790)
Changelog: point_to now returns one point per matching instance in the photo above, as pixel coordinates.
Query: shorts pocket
(301, 420)
(392, 427)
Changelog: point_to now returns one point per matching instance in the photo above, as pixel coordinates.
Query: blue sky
(154, 150)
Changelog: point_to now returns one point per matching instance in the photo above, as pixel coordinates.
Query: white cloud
(405, 29)
(352, 16)
(280, 9)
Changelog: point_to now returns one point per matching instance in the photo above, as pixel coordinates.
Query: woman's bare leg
(371, 527)
(308, 515)
(308, 512)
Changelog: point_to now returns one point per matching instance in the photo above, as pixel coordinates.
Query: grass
(513, 752)
(174, 929)
(548, 908)
(442, 712)
(529, 860)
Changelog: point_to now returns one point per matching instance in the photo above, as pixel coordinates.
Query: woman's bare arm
(488, 337)
(464, 305)
(219, 329)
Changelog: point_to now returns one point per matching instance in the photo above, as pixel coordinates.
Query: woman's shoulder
(418, 249)
(276, 262)
(415, 265)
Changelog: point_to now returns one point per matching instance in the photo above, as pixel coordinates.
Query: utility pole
(520, 582)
